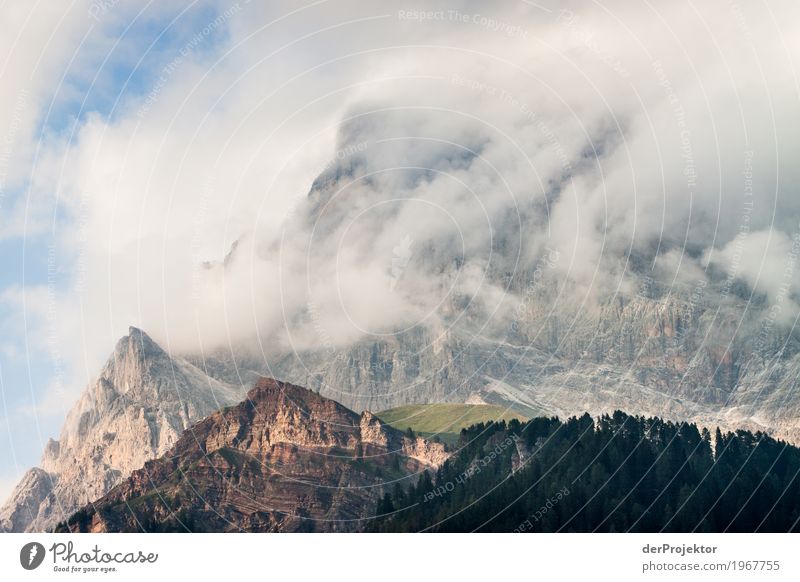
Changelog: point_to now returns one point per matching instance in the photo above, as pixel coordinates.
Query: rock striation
(708, 362)
(284, 459)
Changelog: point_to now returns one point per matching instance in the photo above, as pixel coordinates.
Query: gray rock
(135, 411)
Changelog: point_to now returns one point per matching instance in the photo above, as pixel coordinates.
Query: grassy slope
(446, 420)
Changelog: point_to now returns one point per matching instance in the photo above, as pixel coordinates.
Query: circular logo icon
(31, 555)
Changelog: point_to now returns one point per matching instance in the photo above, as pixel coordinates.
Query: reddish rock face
(284, 459)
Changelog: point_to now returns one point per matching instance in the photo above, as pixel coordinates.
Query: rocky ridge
(660, 356)
(284, 459)
(656, 331)
(140, 404)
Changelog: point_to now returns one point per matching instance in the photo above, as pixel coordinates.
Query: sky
(141, 140)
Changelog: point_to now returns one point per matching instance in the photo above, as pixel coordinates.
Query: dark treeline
(619, 473)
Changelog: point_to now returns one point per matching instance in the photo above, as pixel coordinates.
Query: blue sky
(98, 69)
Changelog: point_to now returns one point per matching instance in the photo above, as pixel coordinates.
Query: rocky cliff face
(502, 318)
(137, 409)
(26, 499)
(284, 459)
(655, 331)
(709, 360)
(692, 344)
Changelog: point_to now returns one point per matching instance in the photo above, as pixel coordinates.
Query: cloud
(489, 137)
(767, 260)
(34, 42)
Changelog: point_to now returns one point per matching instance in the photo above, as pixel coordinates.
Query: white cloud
(608, 132)
(767, 260)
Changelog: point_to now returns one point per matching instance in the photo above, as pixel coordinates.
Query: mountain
(284, 459)
(499, 316)
(487, 304)
(500, 321)
(615, 473)
(444, 420)
(140, 404)
(709, 361)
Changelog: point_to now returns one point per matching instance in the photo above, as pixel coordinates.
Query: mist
(312, 179)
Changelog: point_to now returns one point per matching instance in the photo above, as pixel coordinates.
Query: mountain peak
(265, 386)
(133, 330)
(275, 459)
(138, 342)
(137, 408)
(271, 393)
